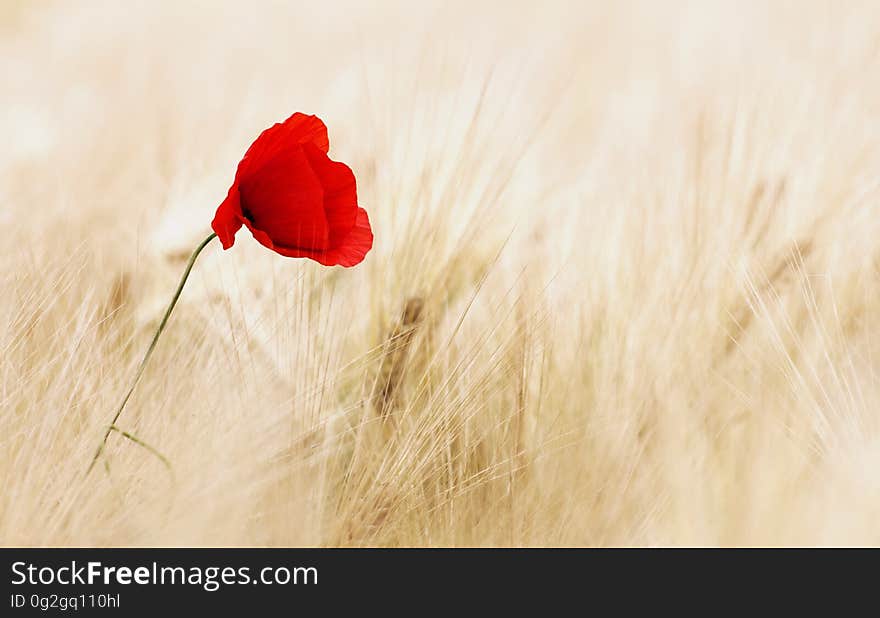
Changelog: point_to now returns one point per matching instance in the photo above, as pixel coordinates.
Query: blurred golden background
(623, 291)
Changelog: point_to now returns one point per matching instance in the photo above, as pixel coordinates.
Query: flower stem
(140, 372)
(144, 445)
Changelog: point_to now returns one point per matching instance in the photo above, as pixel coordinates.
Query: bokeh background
(624, 287)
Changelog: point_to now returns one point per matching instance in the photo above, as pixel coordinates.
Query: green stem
(140, 372)
(144, 445)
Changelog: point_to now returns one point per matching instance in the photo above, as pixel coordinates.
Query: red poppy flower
(294, 199)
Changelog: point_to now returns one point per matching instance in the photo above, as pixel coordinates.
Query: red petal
(227, 221)
(351, 252)
(340, 194)
(356, 246)
(285, 199)
(297, 130)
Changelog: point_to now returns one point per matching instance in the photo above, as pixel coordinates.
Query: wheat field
(625, 286)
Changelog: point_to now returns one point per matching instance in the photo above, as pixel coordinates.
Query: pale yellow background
(644, 238)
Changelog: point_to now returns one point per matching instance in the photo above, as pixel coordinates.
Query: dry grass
(625, 288)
